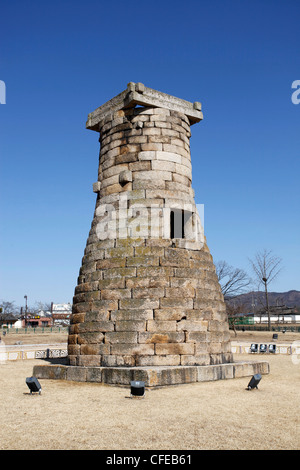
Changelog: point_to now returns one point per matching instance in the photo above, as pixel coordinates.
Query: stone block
(89, 360)
(126, 158)
(169, 337)
(146, 304)
(135, 314)
(119, 252)
(132, 349)
(161, 165)
(72, 339)
(94, 374)
(168, 314)
(111, 283)
(177, 292)
(146, 282)
(119, 273)
(161, 326)
(93, 337)
(162, 272)
(91, 326)
(116, 376)
(126, 337)
(54, 372)
(77, 317)
(169, 360)
(148, 292)
(73, 349)
(130, 325)
(125, 177)
(147, 155)
(174, 348)
(98, 316)
(195, 359)
(176, 303)
(176, 375)
(94, 350)
(151, 184)
(96, 187)
(76, 374)
(152, 174)
(142, 261)
(192, 326)
(116, 294)
(151, 147)
(140, 166)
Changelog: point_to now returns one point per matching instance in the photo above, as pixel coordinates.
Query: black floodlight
(262, 348)
(33, 385)
(137, 388)
(254, 347)
(275, 336)
(272, 348)
(254, 382)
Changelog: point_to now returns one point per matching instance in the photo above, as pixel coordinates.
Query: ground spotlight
(262, 348)
(137, 389)
(254, 347)
(33, 385)
(254, 382)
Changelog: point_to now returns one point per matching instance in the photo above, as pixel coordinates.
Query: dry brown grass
(35, 338)
(211, 415)
(264, 337)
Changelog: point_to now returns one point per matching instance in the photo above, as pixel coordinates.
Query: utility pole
(265, 280)
(25, 297)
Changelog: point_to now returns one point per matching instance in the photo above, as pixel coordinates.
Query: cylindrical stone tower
(147, 291)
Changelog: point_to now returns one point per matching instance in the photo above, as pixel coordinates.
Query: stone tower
(147, 292)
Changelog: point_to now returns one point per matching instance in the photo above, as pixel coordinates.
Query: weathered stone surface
(154, 375)
(147, 292)
(132, 349)
(174, 348)
(121, 337)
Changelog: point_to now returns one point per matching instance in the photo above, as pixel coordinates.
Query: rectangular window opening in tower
(180, 223)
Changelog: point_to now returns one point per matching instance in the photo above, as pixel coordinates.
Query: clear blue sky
(62, 59)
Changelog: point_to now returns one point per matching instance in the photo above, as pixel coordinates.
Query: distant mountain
(256, 300)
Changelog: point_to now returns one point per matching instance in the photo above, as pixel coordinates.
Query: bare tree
(45, 306)
(266, 268)
(233, 281)
(234, 311)
(8, 307)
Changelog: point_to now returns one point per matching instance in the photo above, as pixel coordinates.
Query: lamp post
(265, 280)
(25, 297)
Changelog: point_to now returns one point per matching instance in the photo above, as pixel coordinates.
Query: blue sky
(62, 59)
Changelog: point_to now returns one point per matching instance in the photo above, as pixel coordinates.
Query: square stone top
(139, 94)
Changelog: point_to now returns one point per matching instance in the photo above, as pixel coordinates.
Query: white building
(61, 313)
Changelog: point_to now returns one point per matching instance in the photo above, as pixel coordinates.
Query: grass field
(210, 415)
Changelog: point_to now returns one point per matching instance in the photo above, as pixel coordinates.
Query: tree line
(265, 267)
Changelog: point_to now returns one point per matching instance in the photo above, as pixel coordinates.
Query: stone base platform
(153, 376)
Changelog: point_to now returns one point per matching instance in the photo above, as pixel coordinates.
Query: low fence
(294, 328)
(39, 351)
(289, 349)
(30, 330)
